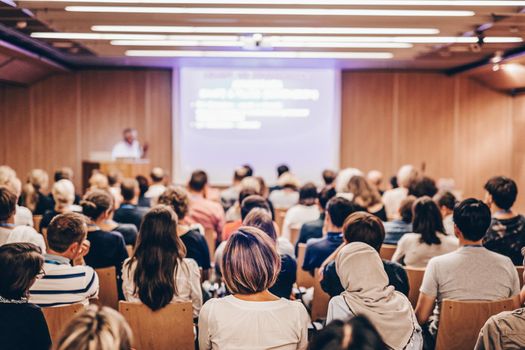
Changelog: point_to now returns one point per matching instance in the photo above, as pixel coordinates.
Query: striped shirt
(63, 284)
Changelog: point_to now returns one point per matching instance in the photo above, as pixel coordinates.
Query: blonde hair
(6, 174)
(405, 174)
(63, 193)
(250, 262)
(37, 180)
(364, 194)
(251, 182)
(98, 181)
(97, 328)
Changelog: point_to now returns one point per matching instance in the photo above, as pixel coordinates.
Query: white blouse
(415, 253)
(187, 279)
(296, 216)
(235, 324)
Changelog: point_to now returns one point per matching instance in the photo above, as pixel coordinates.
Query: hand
(84, 248)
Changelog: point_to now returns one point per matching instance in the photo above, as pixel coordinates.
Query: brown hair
(128, 188)
(177, 199)
(7, 203)
(250, 262)
(66, 229)
(364, 194)
(364, 227)
(158, 253)
(261, 219)
(20, 263)
(95, 203)
(37, 180)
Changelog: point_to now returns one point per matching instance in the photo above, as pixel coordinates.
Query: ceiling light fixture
(260, 54)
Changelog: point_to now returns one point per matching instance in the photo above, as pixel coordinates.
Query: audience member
(375, 179)
(34, 192)
(98, 181)
(250, 266)
(230, 195)
(232, 226)
(358, 333)
(365, 228)
(503, 331)
(63, 192)
(281, 169)
(366, 196)
(66, 173)
(342, 180)
(143, 201)
(393, 197)
(129, 211)
(9, 232)
(314, 229)
(367, 293)
(100, 328)
(446, 202)
(506, 233)
(249, 169)
(395, 229)
(329, 177)
(62, 283)
(471, 272)
(23, 216)
(421, 186)
(286, 195)
(282, 288)
(202, 210)
(157, 273)
(193, 239)
(158, 186)
(114, 182)
(265, 193)
(306, 210)
(248, 183)
(429, 238)
(318, 249)
(22, 324)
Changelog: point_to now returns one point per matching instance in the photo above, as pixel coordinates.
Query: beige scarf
(367, 293)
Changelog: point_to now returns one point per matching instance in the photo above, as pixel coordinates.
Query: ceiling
(253, 46)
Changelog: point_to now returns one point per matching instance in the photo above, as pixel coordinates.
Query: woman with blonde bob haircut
(98, 328)
(252, 315)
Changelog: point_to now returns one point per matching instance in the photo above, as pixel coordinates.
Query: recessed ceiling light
(269, 11)
(309, 2)
(260, 54)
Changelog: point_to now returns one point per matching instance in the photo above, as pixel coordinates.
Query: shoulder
(314, 242)
(409, 238)
(190, 264)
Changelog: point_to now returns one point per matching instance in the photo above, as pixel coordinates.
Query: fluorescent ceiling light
(241, 43)
(309, 2)
(96, 36)
(265, 30)
(269, 11)
(260, 54)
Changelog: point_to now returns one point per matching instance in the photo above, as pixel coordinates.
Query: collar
(7, 225)
(332, 235)
(127, 206)
(56, 259)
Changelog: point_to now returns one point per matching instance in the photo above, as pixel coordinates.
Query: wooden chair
(108, 293)
(37, 219)
(211, 238)
(415, 278)
(320, 300)
(59, 316)
(304, 278)
(294, 234)
(129, 248)
(387, 251)
(520, 274)
(279, 218)
(461, 321)
(168, 328)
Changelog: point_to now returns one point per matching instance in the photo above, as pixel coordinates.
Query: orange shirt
(230, 228)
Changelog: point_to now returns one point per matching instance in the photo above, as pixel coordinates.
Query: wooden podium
(128, 168)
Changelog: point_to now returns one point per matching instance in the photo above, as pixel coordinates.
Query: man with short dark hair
(506, 233)
(470, 273)
(318, 249)
(396, 228)
(62, 283)
(446, 202)
(129, 147)
(129, 211)
(202, 210)
(329, 177)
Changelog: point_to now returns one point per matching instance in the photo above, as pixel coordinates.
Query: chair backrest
(461, 321)
(59, 316)
(166, 329)
(294, 234)
(520, 274)
(37, 219)
(211, 238)
(108, 293)
(320, 300)
(387, 251)
(415, 278)
(279, 217)
(304, 278)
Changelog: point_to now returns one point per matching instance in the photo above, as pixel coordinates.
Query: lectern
(128, 168)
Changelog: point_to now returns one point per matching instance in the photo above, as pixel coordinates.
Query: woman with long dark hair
(429, 238)
(157, 272)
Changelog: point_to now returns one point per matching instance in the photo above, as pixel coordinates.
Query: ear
(488, 199)
(73, 250)
(457, 232)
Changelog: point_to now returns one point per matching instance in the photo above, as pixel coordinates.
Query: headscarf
(367, 293)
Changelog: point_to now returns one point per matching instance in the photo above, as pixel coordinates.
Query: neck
(261, 296)
(197, 193)
(134, 201)
(53, 252)
(463, 242)
(502, 213)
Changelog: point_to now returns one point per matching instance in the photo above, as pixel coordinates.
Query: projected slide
(263, 117)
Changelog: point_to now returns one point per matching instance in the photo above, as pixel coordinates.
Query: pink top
(208, 213)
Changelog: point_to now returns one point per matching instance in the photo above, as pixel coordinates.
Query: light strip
(269, 11)
(296, 44)
(477, 3)
(265, 30)
(260, 54)
(118, 36)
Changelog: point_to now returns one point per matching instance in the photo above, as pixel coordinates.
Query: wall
(457, 127)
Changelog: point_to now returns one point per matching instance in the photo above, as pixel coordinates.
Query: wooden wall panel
(518, 148)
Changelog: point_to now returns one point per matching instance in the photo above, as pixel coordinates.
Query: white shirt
(125, 150)
(22, 234)
(23, 216)
(392, 200)
(283, 199)
(448, 224)
(234, 324)
(297, 215)
(187, 279)
(154, 192)
(417, 253)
